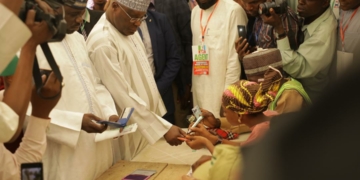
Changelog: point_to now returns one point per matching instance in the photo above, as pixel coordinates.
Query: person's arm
(31, 149)
(214, 139)
(8, 122)
(173, 60)
(33, 144)
(18, 94)
(314, 54)
(152, 126)
(289, 101)
(238, 17)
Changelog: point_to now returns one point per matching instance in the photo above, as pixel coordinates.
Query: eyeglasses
(133, 20)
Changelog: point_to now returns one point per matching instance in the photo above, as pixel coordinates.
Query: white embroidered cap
(137, 5)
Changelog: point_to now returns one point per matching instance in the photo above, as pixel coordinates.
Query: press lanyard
(202, 28)
(343, 30)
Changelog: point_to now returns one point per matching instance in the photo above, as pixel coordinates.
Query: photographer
(265, 34)
(311, 62)
(34, 142)
(13, 34)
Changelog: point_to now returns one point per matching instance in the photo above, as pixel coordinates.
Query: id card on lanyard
(201, 55)
(201, 60)
(344, 59)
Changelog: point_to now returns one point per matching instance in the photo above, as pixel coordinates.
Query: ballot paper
(113, 133)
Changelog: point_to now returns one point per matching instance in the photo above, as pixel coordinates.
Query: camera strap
(36, 70)
(291, 34)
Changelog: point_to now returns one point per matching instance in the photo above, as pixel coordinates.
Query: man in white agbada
(216, 21)
(72, 152)
(118, 54)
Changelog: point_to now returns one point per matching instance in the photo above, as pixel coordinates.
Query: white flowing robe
(123, 68)
(72, 153)
(220, 36)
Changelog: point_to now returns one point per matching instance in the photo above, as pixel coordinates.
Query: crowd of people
(162, 57)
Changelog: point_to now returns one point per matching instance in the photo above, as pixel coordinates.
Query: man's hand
(241, 46)
(274, 20)
(40, 30)
(172, 135)
(45, 6)
(196, 142)
(92, 127)
(199, 162)
(42, 107)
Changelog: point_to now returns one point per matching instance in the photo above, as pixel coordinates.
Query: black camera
(55, 22)
(279, 6)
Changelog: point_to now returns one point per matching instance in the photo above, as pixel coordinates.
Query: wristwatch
(280, 36)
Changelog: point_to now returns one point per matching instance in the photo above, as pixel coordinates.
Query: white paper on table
(113, 133)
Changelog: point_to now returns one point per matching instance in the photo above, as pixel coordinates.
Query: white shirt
(124, 69)
(9, 122)
(311, 63)
(220, 37)
(13, 35)
(72, 153)
(31, 149)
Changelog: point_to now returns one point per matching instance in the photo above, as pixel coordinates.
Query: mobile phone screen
(242, 31)
(32, 171)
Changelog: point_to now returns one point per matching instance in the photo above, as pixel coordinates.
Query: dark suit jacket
(166, 57)
(94, 18)
(179, 15)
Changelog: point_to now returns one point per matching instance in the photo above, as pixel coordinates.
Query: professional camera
(56, 22)
(279, 6)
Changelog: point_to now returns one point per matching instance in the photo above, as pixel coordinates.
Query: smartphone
(124, 118)
(32, 171)
(197, 112)
(242, 31)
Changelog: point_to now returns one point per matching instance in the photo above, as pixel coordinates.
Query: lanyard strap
(202, 28)
(343, 29)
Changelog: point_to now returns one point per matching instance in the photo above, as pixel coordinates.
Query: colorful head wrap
(246, 97)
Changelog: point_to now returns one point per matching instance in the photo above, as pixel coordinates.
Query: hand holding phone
(242, 31)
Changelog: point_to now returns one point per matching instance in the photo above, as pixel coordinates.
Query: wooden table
(164, 171)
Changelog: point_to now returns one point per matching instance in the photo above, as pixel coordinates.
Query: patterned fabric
(265, 36)
(223, 133)
(246, 97)
(137, 5)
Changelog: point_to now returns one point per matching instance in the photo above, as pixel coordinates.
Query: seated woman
(252, 104)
